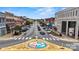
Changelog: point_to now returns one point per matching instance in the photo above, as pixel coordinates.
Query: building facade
(2, 24)
(67, 21)
(10, 23)
(19, 21)
(50, 22)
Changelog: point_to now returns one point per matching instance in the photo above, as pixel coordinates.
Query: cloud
(63, 8)
(46, 12)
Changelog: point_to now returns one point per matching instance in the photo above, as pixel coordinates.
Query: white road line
(30, 38)
(47, 39)
(15, 38)
(50, 38)
(57, 39)
(19, 38)
(54, 39)
(26, 38)
(44, 38)
(23, 38)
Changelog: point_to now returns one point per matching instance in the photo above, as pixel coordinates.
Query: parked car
(42, 33)
(39, 29)
(23, 30)
(44, 28)
(17, 33)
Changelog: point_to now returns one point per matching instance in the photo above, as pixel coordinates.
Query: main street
(17, 40)
(56, 40)
(33, 32)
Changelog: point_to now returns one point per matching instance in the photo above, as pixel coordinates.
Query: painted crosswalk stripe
(57, 39)
(50, 38)
(19, 38)
(15, 38)
(30, 38)
(43, 38)
(47, 39)
(26, 38)
(54, 39)
(23, 38)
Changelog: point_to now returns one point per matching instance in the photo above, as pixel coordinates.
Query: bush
(17, 30)
(55, 33)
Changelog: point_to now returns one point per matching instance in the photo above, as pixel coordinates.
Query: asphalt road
(14, 41)
(56, 40)
(33, 32)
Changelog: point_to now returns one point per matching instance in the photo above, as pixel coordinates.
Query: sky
(33, 12)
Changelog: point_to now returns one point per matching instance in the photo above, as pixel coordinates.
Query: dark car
(44, 28)
(42, 33)
(17, 33)
(24, 30)
(39, 28)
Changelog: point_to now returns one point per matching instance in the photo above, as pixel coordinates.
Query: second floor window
(76, 12)
(73, 13)
(0, 20)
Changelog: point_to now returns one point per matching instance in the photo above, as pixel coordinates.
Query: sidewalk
(66, 38)
(8, 36)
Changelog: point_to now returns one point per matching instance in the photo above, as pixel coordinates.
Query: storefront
(67, 22)
(2, 31)
(71, 28)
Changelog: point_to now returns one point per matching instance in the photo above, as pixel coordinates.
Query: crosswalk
(20, 38)
(29, 38)
(54, 38)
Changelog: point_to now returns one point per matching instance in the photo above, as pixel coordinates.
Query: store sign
(71, 31)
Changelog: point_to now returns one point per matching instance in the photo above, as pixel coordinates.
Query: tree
(28, 22)
(17, 27)
(17, 30)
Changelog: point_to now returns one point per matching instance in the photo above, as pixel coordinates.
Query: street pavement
(17, 40)
(34, 32)
(58, 41)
